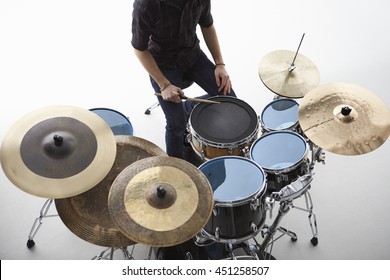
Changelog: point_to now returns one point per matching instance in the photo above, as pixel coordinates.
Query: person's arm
(166, 88)
(221, 76)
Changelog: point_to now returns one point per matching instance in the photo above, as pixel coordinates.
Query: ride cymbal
(87, 214)
(284, 79)
(344, 119)
(160, 201)
(58, 151)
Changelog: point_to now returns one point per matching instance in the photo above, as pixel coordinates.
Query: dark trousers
(176, 114)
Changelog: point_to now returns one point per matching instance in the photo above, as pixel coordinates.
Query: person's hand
(222, 79)
(172, 93)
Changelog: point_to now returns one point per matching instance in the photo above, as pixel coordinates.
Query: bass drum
(227, 128)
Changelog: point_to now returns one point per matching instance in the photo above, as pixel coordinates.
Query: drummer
(165, 42)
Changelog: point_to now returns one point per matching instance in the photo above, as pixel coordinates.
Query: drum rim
(255, 195)
(288, 168)
(213, 142)
(264, 126)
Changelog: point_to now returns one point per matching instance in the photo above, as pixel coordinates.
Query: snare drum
(280, 114)
(223, 129)
(239, 186)
(119, 123)
(282, 155)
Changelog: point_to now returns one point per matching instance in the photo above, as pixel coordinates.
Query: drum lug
(217, 233)
(254, 204)
(189, 138)
(203, 154)
(215, 211)
(254, 227)
(246, 151)
(230, 150)
(189, 256)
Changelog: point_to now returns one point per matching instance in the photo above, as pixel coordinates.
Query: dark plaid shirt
(167, 28)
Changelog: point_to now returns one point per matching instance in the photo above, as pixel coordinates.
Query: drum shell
(213, 150)
(235, 222)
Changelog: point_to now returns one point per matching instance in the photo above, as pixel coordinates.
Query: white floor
(79, 53)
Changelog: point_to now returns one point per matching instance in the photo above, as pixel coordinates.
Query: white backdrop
(78, 53)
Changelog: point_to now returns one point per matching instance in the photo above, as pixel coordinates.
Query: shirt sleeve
(206, 19)
(141, 27)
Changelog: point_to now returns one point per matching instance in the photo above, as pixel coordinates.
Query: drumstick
(192, 99)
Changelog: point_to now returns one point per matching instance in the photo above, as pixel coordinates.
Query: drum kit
(116, 190)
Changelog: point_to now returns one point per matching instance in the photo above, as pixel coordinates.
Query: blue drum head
(280, 114)
(119, 123)
(279, 150)
(233, 178)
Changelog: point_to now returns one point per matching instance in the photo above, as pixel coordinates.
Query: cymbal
(279, 76)
(87, 214)
(58, 151)
(344, 118)
(160, 201)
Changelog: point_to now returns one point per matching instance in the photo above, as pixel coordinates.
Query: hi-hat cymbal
(87, 214)
(279, 76)
(160, 201)
(58, 151)
(344, 119)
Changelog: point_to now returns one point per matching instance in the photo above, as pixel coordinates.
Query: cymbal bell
(284, 79)
(58, 151)
(344, 118)
(160, 201)
(87, 214)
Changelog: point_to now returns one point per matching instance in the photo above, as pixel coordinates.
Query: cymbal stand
(38, 222)
(108, 254)
(292, 66)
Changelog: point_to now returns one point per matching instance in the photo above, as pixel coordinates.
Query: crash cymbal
(160, 201)
(87, 214)
(58, 151)
(279, 76)
(344, 119)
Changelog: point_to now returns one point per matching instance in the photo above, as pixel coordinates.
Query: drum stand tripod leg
(108, 254)
(311, 217)
(148, 110)
(38, 222)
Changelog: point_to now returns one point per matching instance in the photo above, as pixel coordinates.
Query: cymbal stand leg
(150, 253)
(312, 217)
(127, 254)
(38, 222)
(148, 110)
(101, 256)
(108, 254)
(268, 239)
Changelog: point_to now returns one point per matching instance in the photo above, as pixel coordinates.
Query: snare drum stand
(38, 222)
